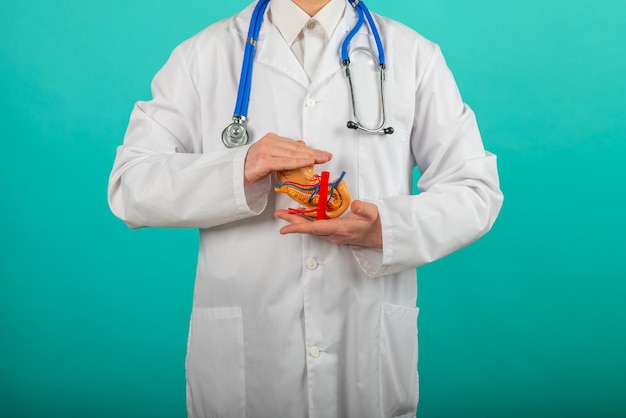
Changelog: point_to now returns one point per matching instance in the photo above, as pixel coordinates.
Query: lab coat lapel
(330, 61)
(273, 51)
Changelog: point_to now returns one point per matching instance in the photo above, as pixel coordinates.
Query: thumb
(364, 209)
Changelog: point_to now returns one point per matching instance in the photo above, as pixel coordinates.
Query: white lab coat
(294, 326)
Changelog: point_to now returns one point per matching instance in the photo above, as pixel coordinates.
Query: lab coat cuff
(369, 259)
(253, 198)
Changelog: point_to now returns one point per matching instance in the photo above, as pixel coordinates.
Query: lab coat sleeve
(460, 195)
(161, 176)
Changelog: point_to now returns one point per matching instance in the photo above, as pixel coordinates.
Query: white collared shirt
(306, 36)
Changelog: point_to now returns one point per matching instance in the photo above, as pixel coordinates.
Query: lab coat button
(311, 264)
(311, 102)
(311, 25)
(315, 352)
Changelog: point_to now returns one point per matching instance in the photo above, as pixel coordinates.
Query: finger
(285, 147)
(364, 209)
(323, 228)
(318, 156)
(280, 143)
(281, 164)
(318, 228)
(298, 223)
(291, 217)
(307, 228)
(322, 157)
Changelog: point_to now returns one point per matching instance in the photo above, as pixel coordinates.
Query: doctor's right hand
(276, 153)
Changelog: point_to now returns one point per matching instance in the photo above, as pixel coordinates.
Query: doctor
(293, 317)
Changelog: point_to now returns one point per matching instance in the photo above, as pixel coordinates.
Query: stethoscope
(236, 135)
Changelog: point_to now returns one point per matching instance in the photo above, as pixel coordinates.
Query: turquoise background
(527, 322)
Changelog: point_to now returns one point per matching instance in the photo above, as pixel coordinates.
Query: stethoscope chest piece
(235, 135)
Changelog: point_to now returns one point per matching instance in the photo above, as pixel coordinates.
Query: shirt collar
(289, 19)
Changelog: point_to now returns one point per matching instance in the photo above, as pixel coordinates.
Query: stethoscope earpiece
(352, 125)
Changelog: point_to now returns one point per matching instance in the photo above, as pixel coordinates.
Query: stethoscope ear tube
(356, 123)
(362, 14)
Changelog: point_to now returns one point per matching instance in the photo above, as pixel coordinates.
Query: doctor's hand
(361, 227)
(276, 153)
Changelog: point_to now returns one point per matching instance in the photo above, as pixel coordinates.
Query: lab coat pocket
(398, 360)
(385, 165)
(215, 363)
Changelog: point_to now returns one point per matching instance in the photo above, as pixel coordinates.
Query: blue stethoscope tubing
(361, 10)
(245, 82)
(236, 135)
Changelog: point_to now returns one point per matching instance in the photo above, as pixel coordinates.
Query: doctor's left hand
(360, 227)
